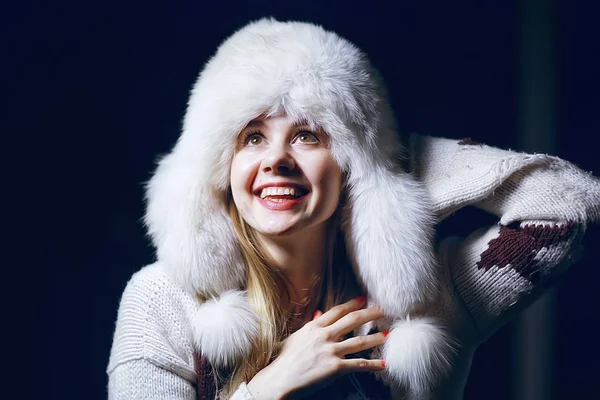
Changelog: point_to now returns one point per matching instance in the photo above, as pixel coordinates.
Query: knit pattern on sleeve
(543, 204)
(152, 341)
(512, 185)
(140, 379)
(499, 271)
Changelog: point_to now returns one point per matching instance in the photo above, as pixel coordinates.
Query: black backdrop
(97, 90)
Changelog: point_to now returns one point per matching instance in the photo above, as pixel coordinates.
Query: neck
(301, 258)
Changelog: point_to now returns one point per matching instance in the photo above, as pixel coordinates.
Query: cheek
(330, 183)
(243, 170)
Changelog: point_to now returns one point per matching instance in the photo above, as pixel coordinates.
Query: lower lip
(281, 206)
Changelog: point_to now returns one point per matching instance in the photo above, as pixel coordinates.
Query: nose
(278, 160)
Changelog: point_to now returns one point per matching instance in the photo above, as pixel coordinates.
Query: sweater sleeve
(141, 379)
(152, 356)
(542, 203)
(127, 382)
(497, 271)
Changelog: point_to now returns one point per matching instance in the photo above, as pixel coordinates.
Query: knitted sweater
(543, 204)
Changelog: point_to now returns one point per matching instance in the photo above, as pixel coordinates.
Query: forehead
(275, 122)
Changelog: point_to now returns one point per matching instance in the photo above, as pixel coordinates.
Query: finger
(361, 364)
(353, 320)
(340, 310)
(317, 314)
(359, 343)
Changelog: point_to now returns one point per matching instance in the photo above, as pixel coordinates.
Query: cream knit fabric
(489, 276)
(550, 198)
(152, 355)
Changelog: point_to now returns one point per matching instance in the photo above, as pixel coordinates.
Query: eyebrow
(255, 122)
(259, 122)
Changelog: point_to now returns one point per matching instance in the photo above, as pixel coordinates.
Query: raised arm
(543, 204)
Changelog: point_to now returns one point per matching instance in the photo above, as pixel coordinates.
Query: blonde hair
(266, 295)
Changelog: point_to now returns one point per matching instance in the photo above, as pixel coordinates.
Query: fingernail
(385, 333)
(383, 363)
(316, 314)
(361, 299)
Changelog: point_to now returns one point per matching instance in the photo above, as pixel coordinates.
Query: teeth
(278, 191)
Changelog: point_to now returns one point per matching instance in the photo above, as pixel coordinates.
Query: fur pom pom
(224, 328)
(416, 352)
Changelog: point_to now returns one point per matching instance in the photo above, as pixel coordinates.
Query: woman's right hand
(315, 354)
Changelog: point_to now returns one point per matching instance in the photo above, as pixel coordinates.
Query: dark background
(95, 91)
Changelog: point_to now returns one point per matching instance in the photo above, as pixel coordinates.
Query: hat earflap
(388, 226)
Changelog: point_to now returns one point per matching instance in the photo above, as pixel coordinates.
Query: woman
(288, 203)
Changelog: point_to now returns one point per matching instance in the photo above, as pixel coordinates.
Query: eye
(306, 137)
(253, 139)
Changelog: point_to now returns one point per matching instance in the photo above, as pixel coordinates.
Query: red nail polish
(383, 363)
(361, 299)
(316, 314)
(385, 333)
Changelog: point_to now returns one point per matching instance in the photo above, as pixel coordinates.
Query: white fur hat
(310, 74)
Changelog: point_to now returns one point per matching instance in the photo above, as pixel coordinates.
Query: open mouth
(281, 195)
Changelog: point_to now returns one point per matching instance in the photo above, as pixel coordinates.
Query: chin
(278, 231)
(276, 223)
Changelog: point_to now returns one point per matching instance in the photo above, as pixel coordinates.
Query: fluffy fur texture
(270, 68)
(422, 344)
(391, 254)
(227, 321)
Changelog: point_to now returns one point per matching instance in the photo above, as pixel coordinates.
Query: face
(283, 177)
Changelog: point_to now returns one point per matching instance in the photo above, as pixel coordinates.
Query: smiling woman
(285, 188)
(294, 237)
